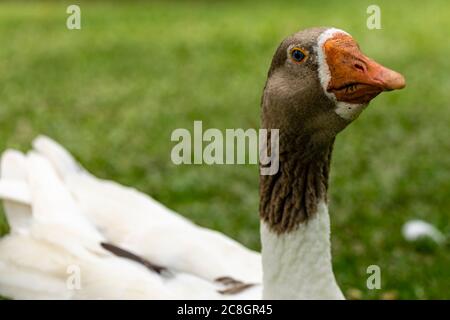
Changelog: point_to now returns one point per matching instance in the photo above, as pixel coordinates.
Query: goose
(75, 236)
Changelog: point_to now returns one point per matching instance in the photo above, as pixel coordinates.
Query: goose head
(319, 82)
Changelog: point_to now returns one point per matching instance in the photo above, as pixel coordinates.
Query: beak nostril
(359, 67)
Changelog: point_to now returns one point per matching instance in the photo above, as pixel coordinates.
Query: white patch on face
(324, 70)
(347, 111)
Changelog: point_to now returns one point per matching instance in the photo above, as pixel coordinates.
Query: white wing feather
(134, 220)
(59, 214)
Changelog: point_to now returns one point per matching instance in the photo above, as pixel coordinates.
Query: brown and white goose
(75, 236)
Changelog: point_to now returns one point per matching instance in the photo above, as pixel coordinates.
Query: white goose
(124, 244)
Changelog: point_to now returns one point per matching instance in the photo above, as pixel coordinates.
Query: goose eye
(298, 55)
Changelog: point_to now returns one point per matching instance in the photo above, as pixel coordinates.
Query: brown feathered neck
(291, 196)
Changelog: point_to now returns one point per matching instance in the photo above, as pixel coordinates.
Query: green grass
(114, 91)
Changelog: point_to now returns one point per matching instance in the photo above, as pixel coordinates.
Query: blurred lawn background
(113, 92)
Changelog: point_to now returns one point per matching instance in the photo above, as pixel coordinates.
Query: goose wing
(51, 239)
(136, 221)
(54, 233)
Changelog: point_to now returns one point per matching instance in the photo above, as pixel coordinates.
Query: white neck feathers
(297, 264)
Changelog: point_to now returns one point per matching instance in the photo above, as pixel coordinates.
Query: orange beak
(355, 78)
